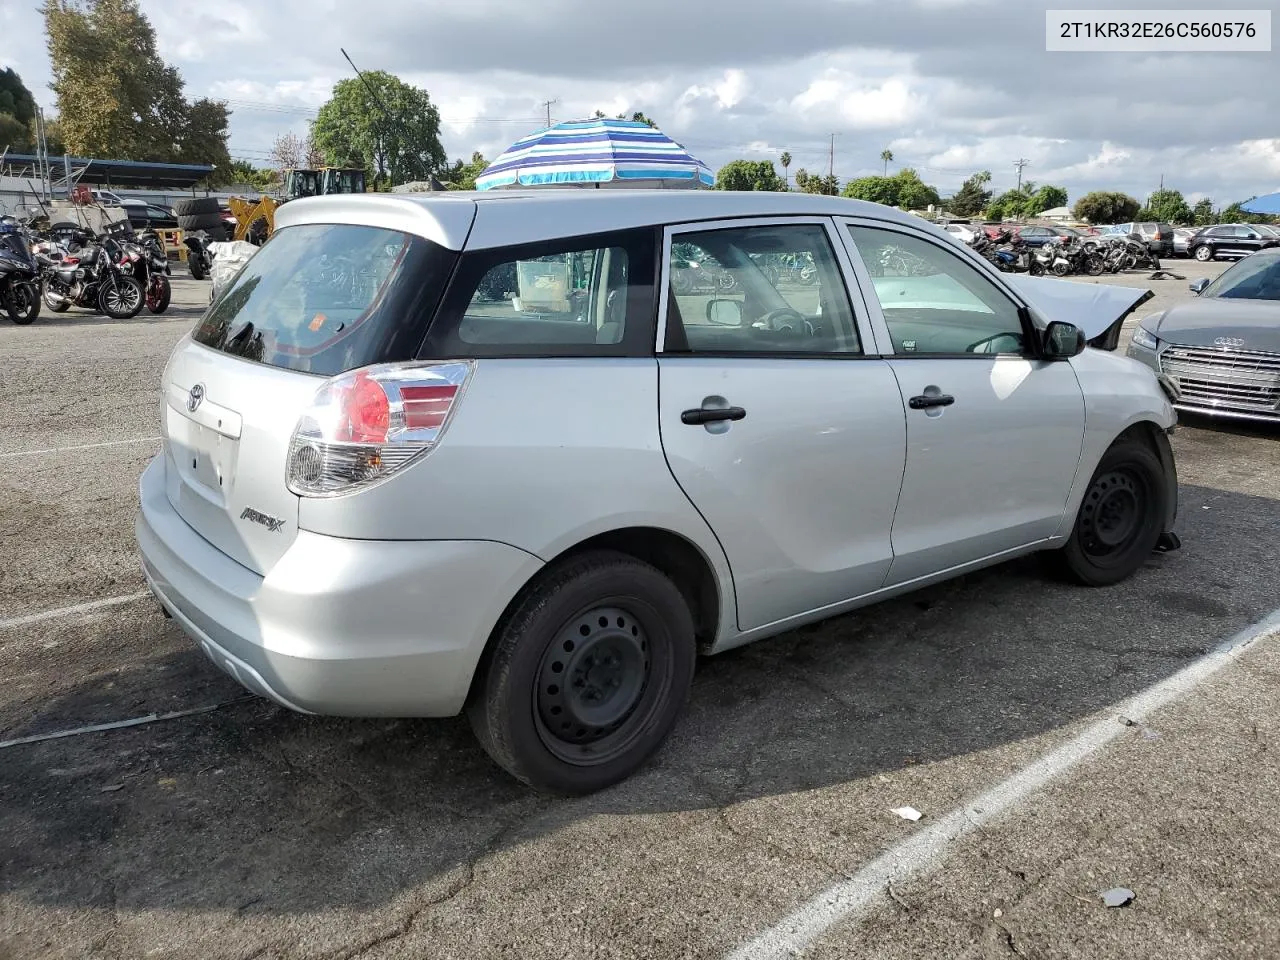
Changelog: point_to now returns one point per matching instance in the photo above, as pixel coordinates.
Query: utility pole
(547, 104)
(1020, 163)
(831, 164)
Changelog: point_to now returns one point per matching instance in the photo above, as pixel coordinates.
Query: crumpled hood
(1198, 323)
(1095, 308)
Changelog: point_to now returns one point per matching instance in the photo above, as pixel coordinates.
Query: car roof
(500, 218)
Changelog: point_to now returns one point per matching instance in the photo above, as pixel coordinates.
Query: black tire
(157, 300)
(196, 206)
(1120, 520)
(22, 302)
(622, 706)
(200, 221)
(131, 297)
(196, 266)
(1203, 253)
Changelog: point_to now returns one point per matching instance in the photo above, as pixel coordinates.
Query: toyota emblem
(194, 397)
(1229, 342)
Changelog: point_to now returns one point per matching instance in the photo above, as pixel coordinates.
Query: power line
(1020, 163)
(547, 104)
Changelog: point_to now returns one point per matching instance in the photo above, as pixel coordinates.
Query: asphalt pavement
(248, 831)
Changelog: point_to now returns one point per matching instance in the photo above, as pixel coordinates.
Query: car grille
(1233, 379)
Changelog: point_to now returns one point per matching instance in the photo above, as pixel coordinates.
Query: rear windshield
(327, 298)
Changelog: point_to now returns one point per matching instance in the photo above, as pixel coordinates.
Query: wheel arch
(686, 564)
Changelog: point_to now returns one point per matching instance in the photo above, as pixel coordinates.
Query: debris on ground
(1126, 721)
(111, 788)
(907, 813)
(1118, 897)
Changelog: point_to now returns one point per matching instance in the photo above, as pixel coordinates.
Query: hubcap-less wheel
(1112, 515)
(592, 680)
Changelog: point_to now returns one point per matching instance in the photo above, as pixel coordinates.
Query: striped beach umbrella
(595, 153)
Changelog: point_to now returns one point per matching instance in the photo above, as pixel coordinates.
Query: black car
(144, 215)
(1230, 240)
(1038, 236)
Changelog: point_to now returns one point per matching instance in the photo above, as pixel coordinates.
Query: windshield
(327, 298)
(1253, 278)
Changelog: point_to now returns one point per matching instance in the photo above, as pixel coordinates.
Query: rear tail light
(365, 425)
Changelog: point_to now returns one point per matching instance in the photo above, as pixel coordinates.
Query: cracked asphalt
(252, 832)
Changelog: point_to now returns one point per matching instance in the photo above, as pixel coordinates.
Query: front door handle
(926, 401)
(700, 415)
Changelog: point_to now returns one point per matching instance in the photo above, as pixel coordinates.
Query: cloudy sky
(950, 86)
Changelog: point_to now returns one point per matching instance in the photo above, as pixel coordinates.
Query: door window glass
(773, 288)
(933, 302)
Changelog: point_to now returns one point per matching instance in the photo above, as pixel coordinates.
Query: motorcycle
(151, 269)
(199, 259)
(19, 274)
(98, 278)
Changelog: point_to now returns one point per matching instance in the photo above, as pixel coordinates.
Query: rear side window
(327, 298)
(585, 296)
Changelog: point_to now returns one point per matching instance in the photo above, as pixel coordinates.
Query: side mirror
(1062, 341)
(725, 313)
(1197, 286)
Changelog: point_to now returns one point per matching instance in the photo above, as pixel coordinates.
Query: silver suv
(474, 452)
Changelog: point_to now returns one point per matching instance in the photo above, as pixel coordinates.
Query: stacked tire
(201, 213)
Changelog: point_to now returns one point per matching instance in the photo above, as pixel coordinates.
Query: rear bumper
(336, 627)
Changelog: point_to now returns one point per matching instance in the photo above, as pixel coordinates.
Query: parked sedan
(385, 497)
(1222, 350)
(1230, 240)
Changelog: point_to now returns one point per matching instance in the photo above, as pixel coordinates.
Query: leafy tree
(16, 101)
(1103, 206)
(1234, 214)
(394, 146)
(14, 134)
(1167, 206)
(637, 116)
(904, 189)
(247, 173)
(808, 182)
(462, 175)
(116, 97)
(1009, 205)
(887, 157)
(292, 152)
(749, 175)
(785, 160)
(1046, 198)
(971, 199)
(1202, 213)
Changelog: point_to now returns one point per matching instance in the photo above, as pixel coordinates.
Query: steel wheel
(592, 686)
(1111, 515)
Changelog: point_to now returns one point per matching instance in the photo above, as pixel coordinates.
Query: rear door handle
(711, 415)
(937, 400)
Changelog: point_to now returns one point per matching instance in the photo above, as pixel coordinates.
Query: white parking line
(925, 850)
(73, 610)
(78, 446)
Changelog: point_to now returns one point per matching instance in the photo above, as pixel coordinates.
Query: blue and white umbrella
(597, 153)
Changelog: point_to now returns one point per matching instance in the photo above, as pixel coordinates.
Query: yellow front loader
(256, 219)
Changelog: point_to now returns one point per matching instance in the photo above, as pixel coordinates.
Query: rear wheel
(587, 676)
(1120, 519)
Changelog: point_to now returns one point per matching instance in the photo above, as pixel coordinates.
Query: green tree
(394, 146)
(971, 199)
(749, 175)
(1008, 206)
(914, 193)
(14, 135)
(637, 116)
(17, 106)
(1046, 198)
(1103, 206)
(874, 189)
(904, 189)
(247, 173)
(116, 97)
(828, 184)
(1167, 206)
(462, 175)
(1234, 214)
(1202, 213)
(785, 160)
(887, 157)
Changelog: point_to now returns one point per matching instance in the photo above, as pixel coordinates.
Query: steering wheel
(786, 320)
(983, 345)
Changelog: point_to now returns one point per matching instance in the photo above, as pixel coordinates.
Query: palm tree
(785, 160)
(887, 157)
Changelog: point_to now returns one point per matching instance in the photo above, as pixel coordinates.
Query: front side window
(589, 296)
(933, 302)
(767, 289)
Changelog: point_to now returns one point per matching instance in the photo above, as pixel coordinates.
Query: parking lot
(998, 705)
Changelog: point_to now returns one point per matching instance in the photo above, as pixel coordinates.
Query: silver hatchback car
(474, 452)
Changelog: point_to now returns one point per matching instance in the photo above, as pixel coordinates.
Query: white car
(427, 454)
(962, 232)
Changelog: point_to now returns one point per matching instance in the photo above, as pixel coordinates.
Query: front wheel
(120, 297)
(1204, 254)
(22, 301)
(1120, 519)
(159, 293)
(587, 676)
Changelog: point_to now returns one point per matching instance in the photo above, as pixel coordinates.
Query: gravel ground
(252, 832)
